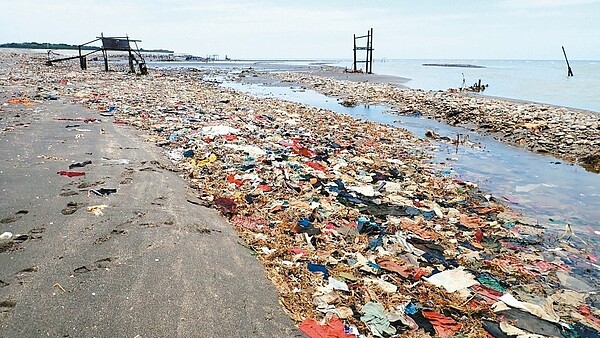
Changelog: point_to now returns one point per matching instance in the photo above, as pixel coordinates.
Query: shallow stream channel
(541, 187)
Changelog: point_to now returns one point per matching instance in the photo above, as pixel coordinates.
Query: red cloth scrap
(316, 166)
(71, 173)
(333, 329)
(444, 326)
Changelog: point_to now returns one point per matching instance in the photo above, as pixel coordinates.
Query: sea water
(543, 81)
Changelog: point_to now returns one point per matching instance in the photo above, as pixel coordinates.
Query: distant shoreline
(64, 46)
(453, 65)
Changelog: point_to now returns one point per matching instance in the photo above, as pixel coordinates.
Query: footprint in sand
(81, 270)
(106, 237)
(71, 208)
(7, 305)
(36, 233)
(126, 180)
(6, 245)
(159, 200)
(23, 275)
(14, 217)
(85, 185)
(68, 192)
(11, 244)
(127, 176)
(149, 166)
(104, 263)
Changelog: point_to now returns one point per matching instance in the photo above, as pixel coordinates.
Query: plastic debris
(452, 280)
(97, 209)
(534, 309)
(103, 191)
(71, 173)
(318, 268)
(375, 318)
(107, 161)
(209, 159)
(218, 130)
(79, 164)
(6, 235)
(338, 285)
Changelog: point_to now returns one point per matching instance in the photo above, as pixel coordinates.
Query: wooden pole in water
(569, 71)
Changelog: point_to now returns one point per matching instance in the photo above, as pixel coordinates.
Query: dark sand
(153, 265)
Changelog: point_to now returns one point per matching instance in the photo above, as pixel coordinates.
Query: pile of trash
(360, 235)
(566, 133)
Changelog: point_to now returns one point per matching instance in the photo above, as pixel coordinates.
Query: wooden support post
(569, 71)
(80, 59)
(105, 54)
(367, 57)
(131, 67)
(370, 52)
(368, 48)
(354, 62)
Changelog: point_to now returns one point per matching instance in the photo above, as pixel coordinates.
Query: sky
(299, 29)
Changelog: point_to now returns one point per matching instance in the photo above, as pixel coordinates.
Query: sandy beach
(351, 223)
